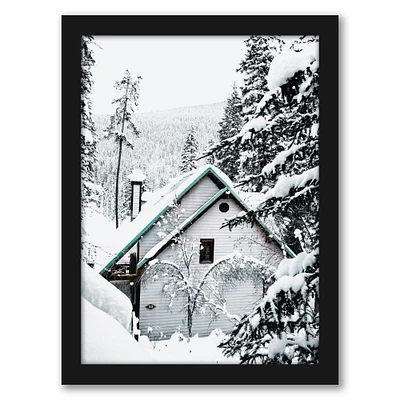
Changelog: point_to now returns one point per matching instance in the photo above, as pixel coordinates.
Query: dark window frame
(202, 257)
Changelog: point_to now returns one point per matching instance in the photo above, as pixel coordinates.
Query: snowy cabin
(206, 199)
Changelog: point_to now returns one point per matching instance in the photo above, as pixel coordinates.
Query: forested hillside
(157, 149)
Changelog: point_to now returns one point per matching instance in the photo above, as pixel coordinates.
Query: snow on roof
(137, 175)
(128, 234)
(97, 228)
(160, 202)
(147, 196)
(287, 63)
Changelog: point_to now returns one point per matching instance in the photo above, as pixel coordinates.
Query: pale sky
(177, 71)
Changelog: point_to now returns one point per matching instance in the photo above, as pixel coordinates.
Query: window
(206, 251)
(224, 207)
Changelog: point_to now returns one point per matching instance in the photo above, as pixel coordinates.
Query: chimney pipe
(136, 177)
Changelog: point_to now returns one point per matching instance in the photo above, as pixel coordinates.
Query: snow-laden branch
(286, 183)
(286, 64)
(280, 159)
(294, 266)
(255, 125)
(285, 284)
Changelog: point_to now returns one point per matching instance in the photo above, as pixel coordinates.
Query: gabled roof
(128, 235)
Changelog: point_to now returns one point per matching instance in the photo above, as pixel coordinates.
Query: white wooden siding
(197, 196)
(169, 319)
(246, 240)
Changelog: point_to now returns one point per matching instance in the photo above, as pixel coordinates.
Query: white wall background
(30, 148)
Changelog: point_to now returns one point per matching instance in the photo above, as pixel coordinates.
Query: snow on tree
(230, 125)
(124, 200)
(284, 327)
(286, 120)
(260, 51)
(211, 158)
(88, 131)
(281, 139)
(90, 191)
(288, 172)
(241, 157)
(122, 122)
(190, 152)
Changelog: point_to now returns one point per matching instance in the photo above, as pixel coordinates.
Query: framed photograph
(193, 218)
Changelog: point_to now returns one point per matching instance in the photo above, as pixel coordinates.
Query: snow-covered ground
(178, 349)
(105, 296)
(106, 321)
(106, 341)
(106, 336)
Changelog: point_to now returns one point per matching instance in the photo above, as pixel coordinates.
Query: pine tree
(284, 328)
(282, 140)
(239, 160)
(189, 153)
(230, 126)
(211, 158)
(88, 131)
(121, 122)
(255, 67)
(125, 199)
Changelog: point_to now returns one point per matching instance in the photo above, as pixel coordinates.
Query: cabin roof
(129, 234)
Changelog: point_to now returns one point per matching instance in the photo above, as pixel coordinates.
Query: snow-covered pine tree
(125, 200)
(260, 51)
(190, 152)
(211, 158)
(230, 126)
(284, 328)
(122, 122)
(88, 131)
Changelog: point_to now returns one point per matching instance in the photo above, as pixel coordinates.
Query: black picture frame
(75, 373)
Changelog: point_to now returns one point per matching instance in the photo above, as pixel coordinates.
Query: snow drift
(105, 296)
(105, 341)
